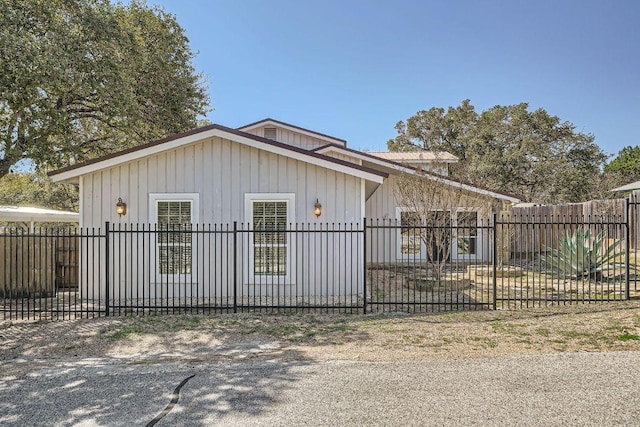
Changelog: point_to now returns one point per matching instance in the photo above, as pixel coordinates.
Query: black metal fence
(504, 262)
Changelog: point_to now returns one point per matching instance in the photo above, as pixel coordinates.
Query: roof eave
(71, 173)
(402, 168)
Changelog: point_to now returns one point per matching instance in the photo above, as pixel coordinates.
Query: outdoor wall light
(318, 208)
(121, 207)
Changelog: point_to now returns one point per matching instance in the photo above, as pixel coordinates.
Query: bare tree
(437, 212)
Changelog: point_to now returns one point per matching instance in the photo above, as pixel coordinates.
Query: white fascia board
(292, 129)
(472, 189)
(72, 175)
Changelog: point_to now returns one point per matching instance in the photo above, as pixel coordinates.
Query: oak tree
(509, 148)
(625, 166)
(83, 78)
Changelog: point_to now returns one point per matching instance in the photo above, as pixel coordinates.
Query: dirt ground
(392, 337)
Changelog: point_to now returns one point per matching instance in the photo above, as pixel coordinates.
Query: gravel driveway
(560, 366)
(556, 389)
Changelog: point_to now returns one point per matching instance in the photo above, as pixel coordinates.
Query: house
(268, 175)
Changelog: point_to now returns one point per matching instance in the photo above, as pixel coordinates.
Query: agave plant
(580, 256)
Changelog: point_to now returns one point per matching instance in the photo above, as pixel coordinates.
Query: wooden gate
(67, 257)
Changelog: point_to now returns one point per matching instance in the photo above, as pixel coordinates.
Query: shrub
(580, 256)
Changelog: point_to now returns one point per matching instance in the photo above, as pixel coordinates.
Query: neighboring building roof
(416, 156)
(71, 173)
(628, 187)
(526, 205)
(269, 121)
(406, 168)
(31, 214)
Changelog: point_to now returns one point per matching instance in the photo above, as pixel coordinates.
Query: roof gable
(307, 132)
(71, 173)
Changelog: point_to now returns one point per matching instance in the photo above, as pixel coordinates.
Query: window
(174, 215)
(270, 246)
(467, 232)
(174, 237)
(410, 235)
(424, 235)
(270, 133)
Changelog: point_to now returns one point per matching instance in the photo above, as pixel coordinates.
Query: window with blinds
(269, 238)
(174, 236)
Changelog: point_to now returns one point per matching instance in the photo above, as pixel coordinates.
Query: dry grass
(598, 327)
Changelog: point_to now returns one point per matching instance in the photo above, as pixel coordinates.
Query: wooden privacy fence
(37, 265)
(535, 229)
(67, 258)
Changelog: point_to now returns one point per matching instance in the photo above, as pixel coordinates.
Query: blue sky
(352, 69)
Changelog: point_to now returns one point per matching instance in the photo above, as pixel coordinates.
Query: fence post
(627, 248)
(235, 266)
(364, 265)
(494, 259)
(107, 265)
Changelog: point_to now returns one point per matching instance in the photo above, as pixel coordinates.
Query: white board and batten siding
(344, 157)
(289, 137)
(221, 172)
(383, 208)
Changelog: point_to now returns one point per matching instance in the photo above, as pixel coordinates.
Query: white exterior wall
(291, 138)
(221, 172)
(344, 157)
(439, 168)
(383, 208)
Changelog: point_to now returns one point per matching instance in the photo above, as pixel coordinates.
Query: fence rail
(504, 262)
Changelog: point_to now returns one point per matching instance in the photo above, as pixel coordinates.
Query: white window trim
(423, 252)
(154, 198)
(454, 250)
(262, 279)
(422, 256)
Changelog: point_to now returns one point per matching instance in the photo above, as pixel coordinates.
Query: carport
(33, 261)
(29, 216)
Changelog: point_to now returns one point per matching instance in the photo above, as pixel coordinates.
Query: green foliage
(82, 78)
(580, 256)
(436, 130)
(509, 148)
(629, 337)
(118, 333)
(626, 165)
(35, 189)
